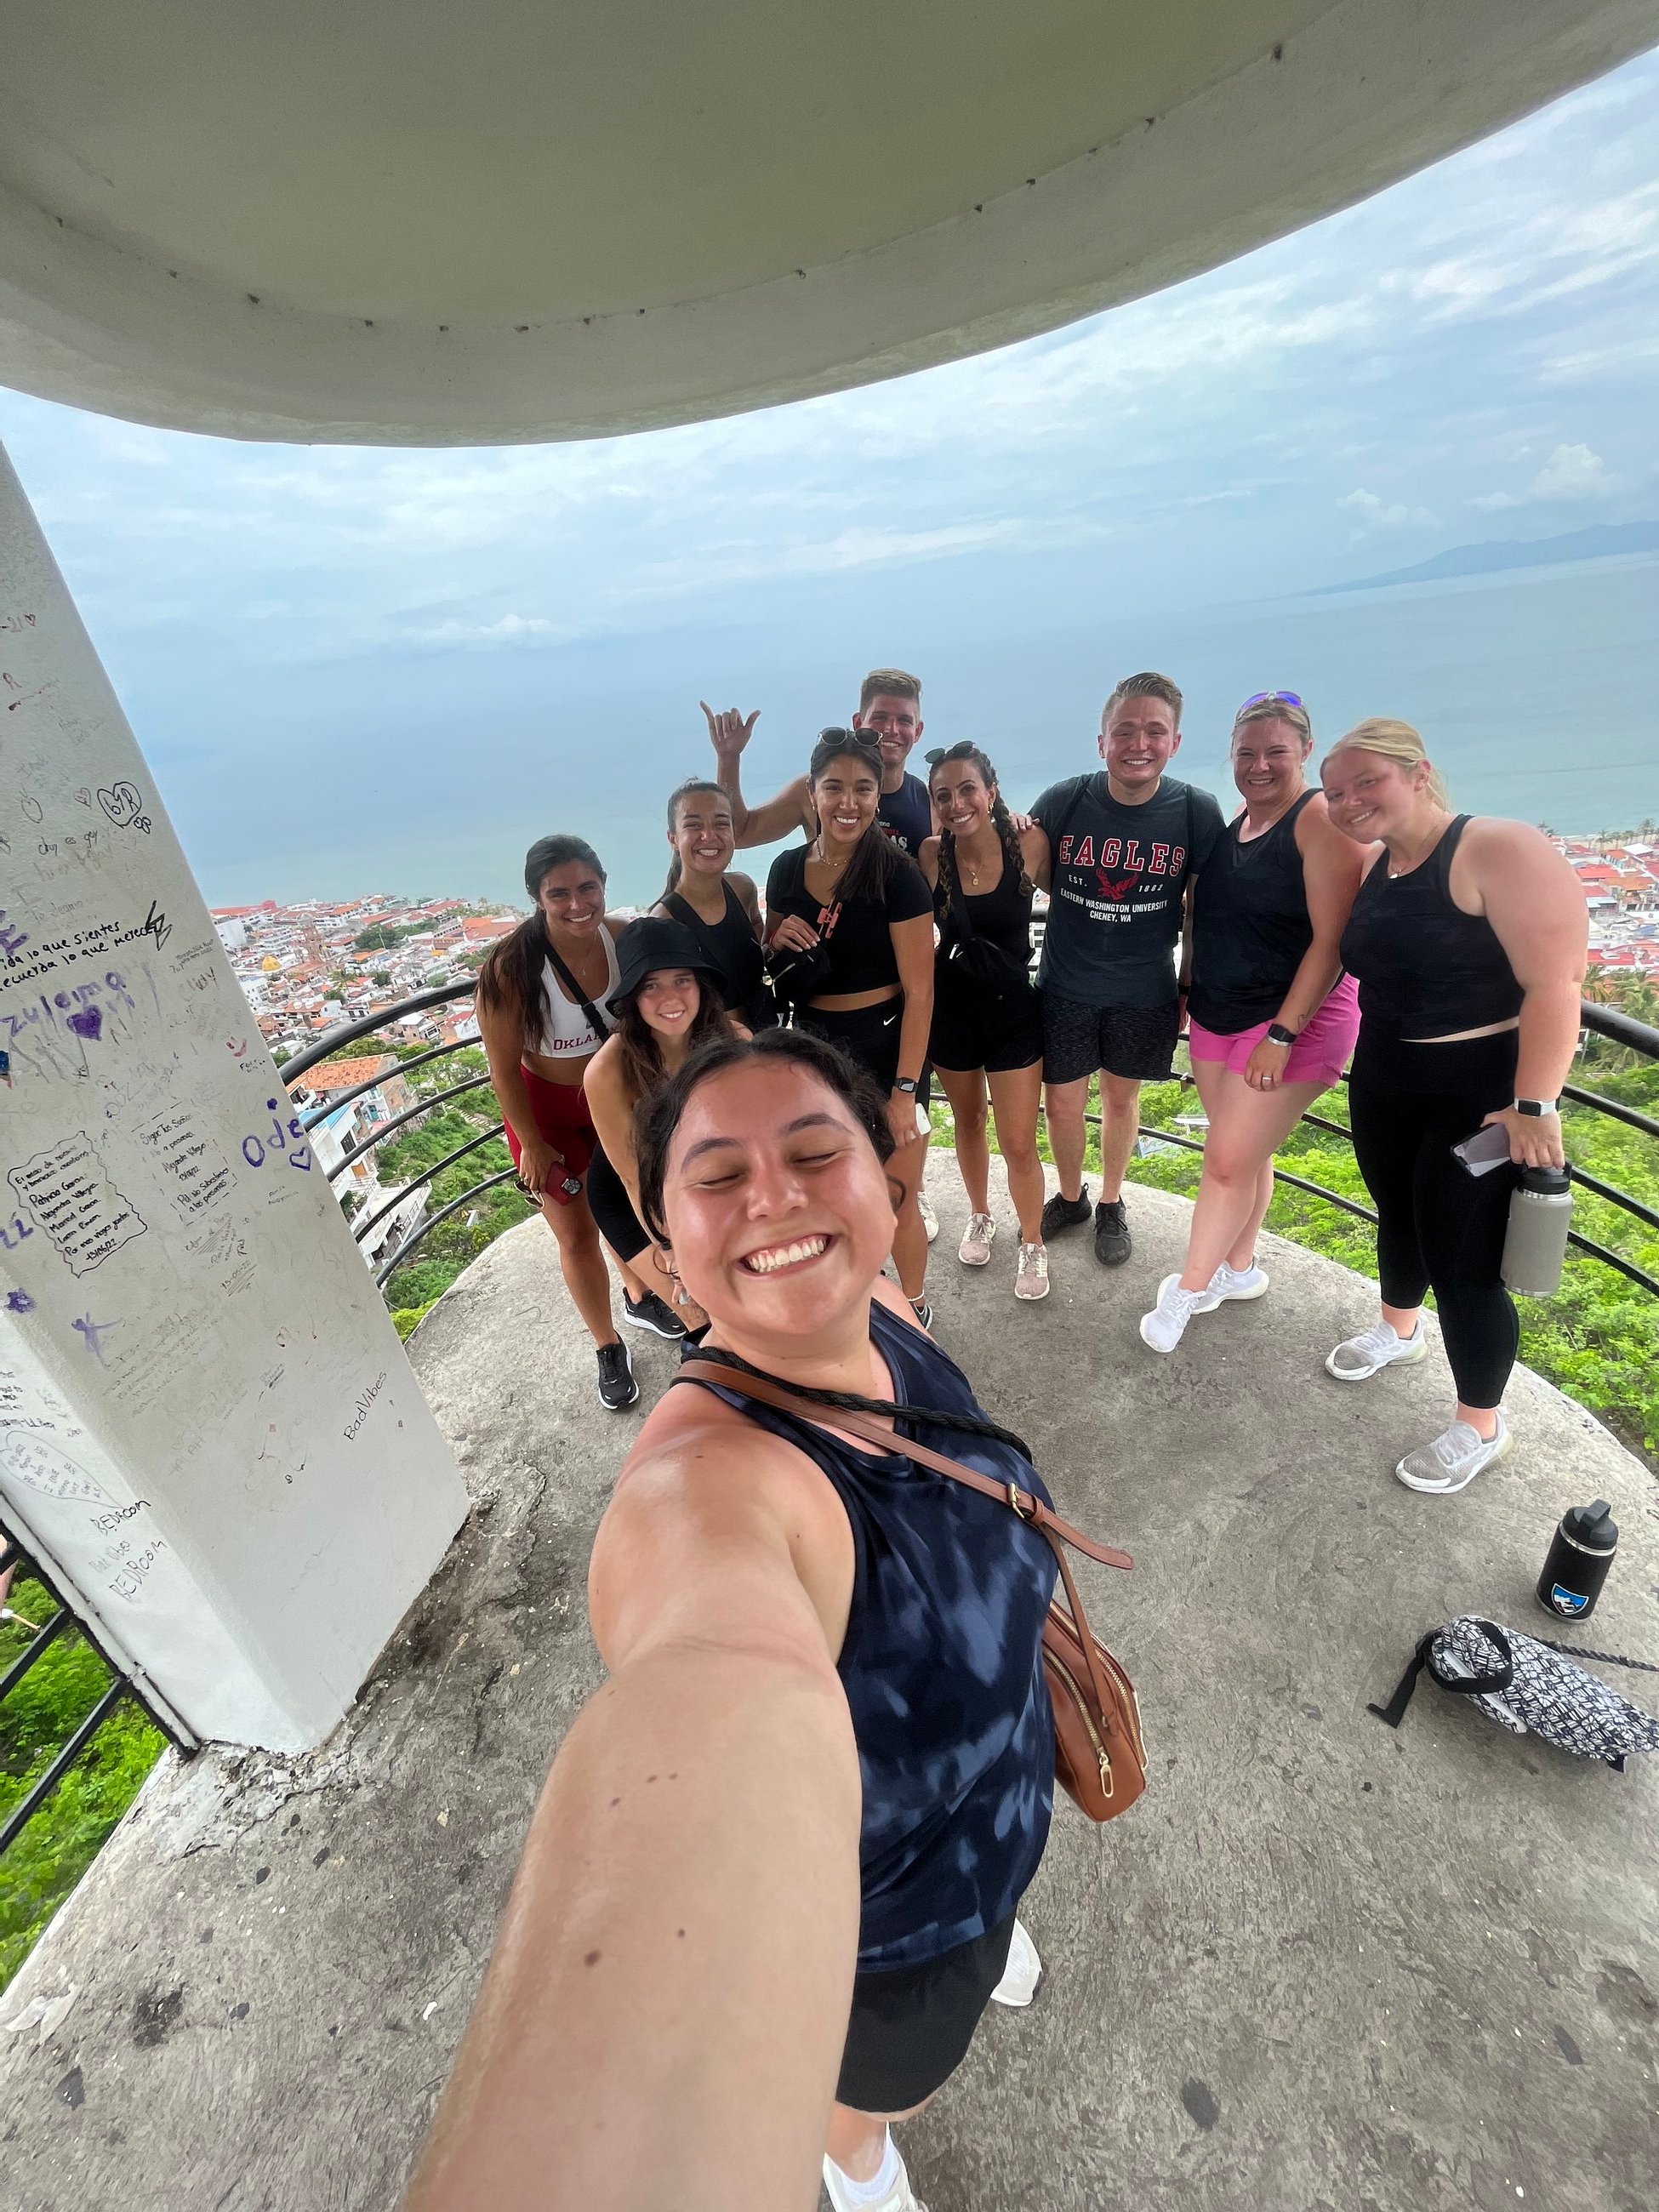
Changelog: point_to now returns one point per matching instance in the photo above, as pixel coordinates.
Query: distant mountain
(1595, 544)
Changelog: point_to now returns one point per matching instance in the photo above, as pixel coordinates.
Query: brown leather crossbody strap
(1029, 1507)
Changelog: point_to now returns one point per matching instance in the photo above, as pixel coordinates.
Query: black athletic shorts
(977, 1028)
(869, 1035)
(910, 2028)
(1135, 1042)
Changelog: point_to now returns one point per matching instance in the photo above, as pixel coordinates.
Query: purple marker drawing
(88, 1023)
(19, 1302)
(95, 1332)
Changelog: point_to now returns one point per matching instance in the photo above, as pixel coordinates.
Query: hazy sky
(357, 669)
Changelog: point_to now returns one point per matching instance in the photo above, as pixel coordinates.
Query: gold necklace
(822, 859)
(1395, 873)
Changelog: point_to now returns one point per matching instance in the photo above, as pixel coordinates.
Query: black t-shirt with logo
(1119, 874)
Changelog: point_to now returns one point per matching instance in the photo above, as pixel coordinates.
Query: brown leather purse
(1100, 1758)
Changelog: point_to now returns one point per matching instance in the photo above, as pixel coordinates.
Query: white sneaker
(1022, 1974)
(1032, 1280)
(1164, 1326)
(845, 2194)
(1454, 1459)
(1228, 1283)
(976, 1250)
(929, 1219)
(1357, 1358)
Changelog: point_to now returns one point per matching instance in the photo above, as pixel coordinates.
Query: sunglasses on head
(856, 741)
(961, 751)
(1270, 698)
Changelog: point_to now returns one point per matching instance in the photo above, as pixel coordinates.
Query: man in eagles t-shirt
(889, 715)
(1125, 845)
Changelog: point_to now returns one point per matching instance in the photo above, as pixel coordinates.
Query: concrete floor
(1319, 1968)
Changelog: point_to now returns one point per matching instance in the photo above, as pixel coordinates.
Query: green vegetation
(412, 1291)
(38, 1718)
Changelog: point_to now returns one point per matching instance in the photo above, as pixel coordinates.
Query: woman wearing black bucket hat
(667, 1000)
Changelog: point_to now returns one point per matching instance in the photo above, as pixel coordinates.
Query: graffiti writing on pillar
(12, 940)
(15, 697)
(123, 803)
(289, 1139)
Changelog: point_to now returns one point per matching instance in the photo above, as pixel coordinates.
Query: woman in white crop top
(538, 1038)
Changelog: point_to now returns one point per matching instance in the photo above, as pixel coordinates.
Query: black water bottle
(1579, 1556)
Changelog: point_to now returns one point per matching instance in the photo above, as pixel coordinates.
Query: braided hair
(1013, 860)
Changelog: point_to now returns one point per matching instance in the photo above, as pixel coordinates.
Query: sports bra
(566, 1033)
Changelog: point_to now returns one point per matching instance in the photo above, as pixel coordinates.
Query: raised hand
(728, 732)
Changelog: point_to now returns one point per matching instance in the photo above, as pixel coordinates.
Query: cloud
(509, 629)
(1379, 513)
(1571, 473)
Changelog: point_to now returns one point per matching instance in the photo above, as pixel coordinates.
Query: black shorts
(973, 1029)
(613, 1209)
(869, 1035)
(910, 2028)
(1136, 1043)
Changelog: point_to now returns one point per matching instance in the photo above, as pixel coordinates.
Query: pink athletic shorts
(1319, 1055)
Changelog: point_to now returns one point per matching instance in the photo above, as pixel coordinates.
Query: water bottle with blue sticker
(1579, 1557)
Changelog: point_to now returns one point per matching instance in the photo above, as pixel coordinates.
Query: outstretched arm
(662, 2019)
(779, 816)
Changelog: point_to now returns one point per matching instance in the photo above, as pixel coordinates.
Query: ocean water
(1537, 691)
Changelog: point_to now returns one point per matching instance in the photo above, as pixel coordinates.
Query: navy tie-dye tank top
(942, 1667)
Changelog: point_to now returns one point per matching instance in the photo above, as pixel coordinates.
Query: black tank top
(732, 943)
(1250, 926)
(1001, 916)
(1426, 968)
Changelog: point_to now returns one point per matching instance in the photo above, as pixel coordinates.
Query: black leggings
(1438, 1226)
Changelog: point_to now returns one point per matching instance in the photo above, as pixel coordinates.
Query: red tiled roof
(343, 1074)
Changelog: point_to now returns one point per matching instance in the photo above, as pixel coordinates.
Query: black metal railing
(349, 1033)
(1607, 1021)
(61, 1624)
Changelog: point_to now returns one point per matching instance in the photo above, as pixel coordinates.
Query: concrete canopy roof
(409, 223)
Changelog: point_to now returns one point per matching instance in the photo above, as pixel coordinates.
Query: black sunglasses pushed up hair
(854, 741)
(962, 750)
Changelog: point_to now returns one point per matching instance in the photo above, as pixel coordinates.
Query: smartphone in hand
(1485, 1150)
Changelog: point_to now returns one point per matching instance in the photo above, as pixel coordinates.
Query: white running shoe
(929, 1219)
(1022, 1974)
(1454, 1459)
(976, 1250)
(1357, 1358)
(844, 2195)
(1241, 1282)
(1164, 1326)
(1032, 1280)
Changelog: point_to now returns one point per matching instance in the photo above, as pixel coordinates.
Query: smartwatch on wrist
(907, 1084)
(1536, 1107)
(1278, 1034)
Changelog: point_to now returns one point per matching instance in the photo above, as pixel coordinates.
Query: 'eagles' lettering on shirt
(1122, 853)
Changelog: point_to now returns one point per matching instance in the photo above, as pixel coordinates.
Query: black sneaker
(1113, 1243)
(923, 1312)
(1060, 1212)
(617, 1389)
(652, 1313)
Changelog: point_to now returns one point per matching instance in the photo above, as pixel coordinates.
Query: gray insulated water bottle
(1576, 1562)
(1535, 1243)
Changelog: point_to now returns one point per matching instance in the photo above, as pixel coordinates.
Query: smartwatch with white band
(1536, 1107)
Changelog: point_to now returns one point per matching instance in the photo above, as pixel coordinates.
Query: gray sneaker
(1357, 1358)
(1454, 1459)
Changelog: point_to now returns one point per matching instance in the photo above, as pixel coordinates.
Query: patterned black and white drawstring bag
(1530, 1688)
